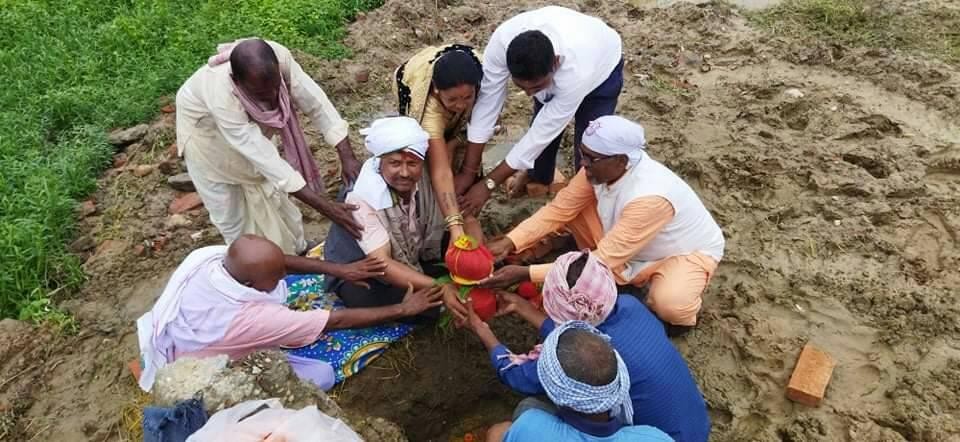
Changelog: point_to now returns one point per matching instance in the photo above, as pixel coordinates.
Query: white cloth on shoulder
(183, 319)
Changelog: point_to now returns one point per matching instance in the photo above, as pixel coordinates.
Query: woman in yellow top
(438, 87)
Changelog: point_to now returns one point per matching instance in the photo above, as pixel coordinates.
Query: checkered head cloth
(567, 392)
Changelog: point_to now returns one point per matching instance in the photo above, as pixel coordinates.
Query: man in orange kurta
(644, 222)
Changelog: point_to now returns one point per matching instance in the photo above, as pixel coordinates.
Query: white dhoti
(240, 200)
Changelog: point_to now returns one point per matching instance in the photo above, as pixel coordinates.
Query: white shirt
(589, 50)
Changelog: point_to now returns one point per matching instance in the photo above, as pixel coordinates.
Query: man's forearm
(312, 199)
(400, 275)
(364, 317)
(473, 159)
(488, 339)
(344, 148)
(500, 173)
(533, 316)
(301, 265)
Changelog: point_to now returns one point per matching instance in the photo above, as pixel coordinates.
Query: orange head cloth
(468, 261)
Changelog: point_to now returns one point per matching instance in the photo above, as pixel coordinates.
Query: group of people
(646, 246)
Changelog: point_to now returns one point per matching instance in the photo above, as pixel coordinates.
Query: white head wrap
(613, 135)
(384, 136)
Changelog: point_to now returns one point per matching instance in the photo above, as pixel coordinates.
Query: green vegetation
(74, 69)
(870, 23)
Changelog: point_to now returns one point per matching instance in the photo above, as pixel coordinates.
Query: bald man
(228, 115)
(230, 300)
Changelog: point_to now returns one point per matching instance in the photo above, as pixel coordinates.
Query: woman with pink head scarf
(579, 287)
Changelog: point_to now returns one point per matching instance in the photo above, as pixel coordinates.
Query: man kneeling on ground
(230, 300)
(590, 385)
(640, 219)
(401, 219)
(580, 288)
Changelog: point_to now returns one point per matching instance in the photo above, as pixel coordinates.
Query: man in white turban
(638, 217)
(401, 220)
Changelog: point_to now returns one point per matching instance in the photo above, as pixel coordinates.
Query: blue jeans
(173, 424)
(599, 102)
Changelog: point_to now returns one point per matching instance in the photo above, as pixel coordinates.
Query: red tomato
(484, 303)
(528, 290)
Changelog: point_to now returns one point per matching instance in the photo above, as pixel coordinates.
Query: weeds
(72, 70)
(869, 23)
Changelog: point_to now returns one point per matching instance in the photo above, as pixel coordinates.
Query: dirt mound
(834, 172)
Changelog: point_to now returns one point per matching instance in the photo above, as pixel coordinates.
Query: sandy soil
(839, 204)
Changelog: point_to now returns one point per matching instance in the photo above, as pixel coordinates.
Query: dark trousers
(382, 294)
(599, 102)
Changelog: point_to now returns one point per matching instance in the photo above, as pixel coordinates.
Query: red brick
(808, 384)
(134, 366)
(185, 202)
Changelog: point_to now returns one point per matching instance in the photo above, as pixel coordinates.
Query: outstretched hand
(474, 323)
(358, 272)
(506, 276)
(508, 303)
(416, 302)
(501, 247)
(451, 300)
(342, 214)
(474, 199)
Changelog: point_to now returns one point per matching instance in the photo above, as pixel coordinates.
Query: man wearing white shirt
(572, 66)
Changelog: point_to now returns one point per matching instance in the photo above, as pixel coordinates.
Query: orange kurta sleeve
(642, 219)
(568, 203)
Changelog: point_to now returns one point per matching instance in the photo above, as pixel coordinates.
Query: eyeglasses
(588, 160)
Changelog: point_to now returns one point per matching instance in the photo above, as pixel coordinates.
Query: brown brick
(811, 376)
(536, 190)
(185, 202)
(134, 366)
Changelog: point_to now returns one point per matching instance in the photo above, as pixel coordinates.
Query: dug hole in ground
(833, 171)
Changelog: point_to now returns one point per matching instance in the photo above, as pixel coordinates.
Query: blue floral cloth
(349, 350)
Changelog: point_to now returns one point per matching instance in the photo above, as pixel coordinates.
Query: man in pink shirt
(230, 300)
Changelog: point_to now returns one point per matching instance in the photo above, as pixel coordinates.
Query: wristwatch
(491, 184)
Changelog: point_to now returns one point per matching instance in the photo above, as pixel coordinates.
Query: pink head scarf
(283, 118)
(591, 299)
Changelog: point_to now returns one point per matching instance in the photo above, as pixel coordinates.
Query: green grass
(870, 23)
(74, 69)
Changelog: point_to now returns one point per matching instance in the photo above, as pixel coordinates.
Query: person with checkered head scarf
(579, 294)
(589, 383)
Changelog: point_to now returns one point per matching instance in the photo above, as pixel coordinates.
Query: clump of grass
(869, 23)
(74, 69)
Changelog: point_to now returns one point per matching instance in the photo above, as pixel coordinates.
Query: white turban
(612, 135)
(384, 136)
